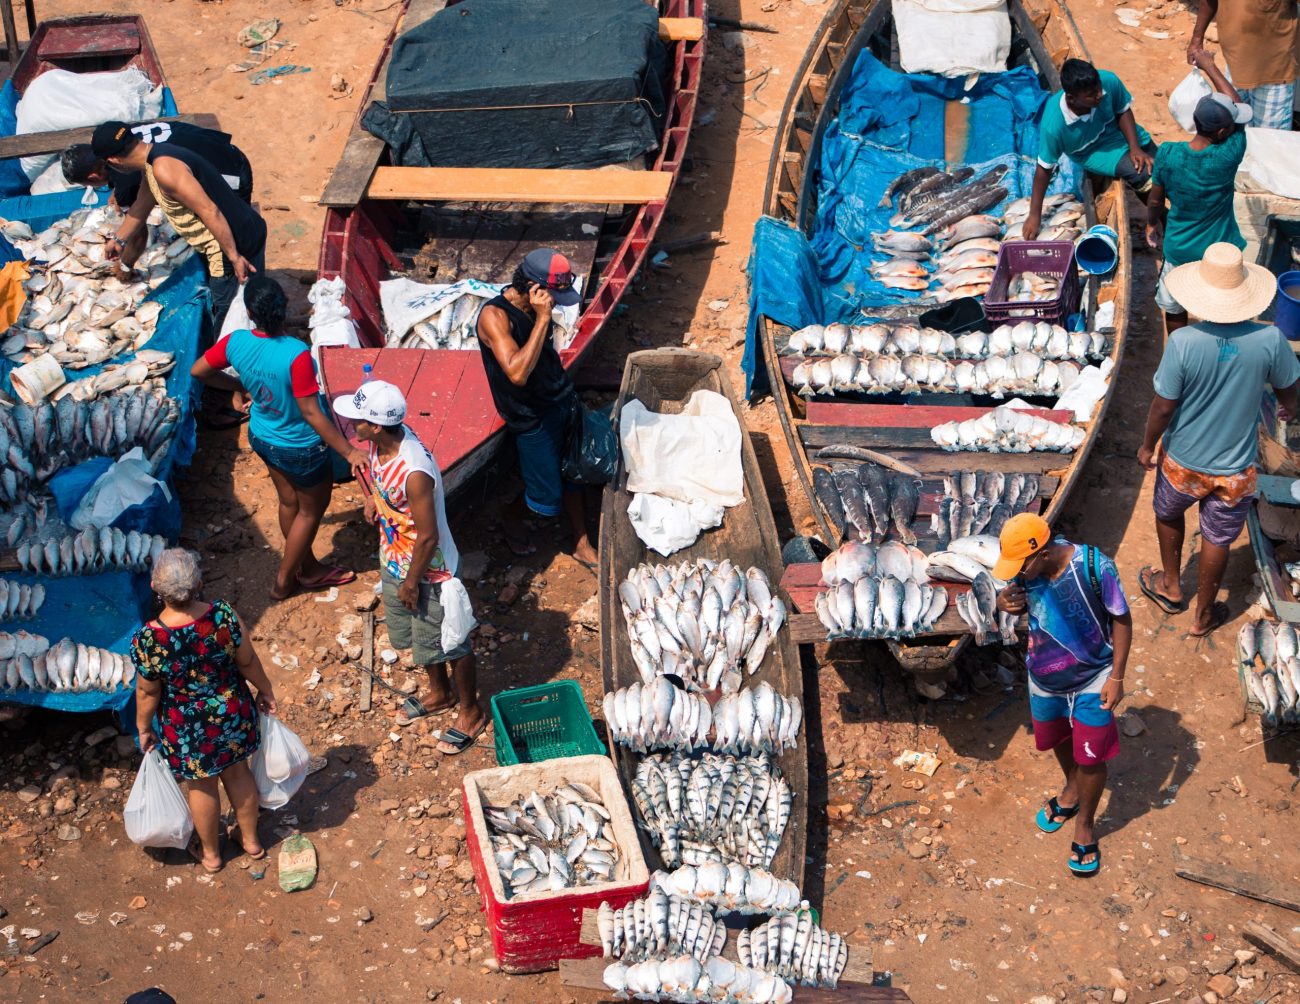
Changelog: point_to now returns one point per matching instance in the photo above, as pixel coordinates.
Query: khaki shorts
(419, 631)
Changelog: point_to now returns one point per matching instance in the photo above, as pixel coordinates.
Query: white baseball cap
(375, 401)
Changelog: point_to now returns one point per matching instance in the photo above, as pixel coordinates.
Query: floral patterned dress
(206, 711)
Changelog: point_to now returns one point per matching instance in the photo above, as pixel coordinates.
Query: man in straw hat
(1080, 631)
(1201, 426)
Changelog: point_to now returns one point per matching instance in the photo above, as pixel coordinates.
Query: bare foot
(585, 554)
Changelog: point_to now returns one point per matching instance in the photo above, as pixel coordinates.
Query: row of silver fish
(90, 551)
(657, 715)
(1269, 655)
(702, 621)
(729, 888)
(795, 947)
(659, 925)
(1051, 341)
(144, 369)
(712, 808)
(1022, 372)
(686, 980)
(1008, 430)
(855, 559)
(964, 517)
(944, 199)
(30, 662)
(874, 501)
(756, 720)
(978, 609)
(879, 592)
(546, 843)
(20, 601)
(453, 327)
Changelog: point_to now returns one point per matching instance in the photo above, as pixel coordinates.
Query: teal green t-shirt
(1199, 186)
(1217, 374)
(1094, 140)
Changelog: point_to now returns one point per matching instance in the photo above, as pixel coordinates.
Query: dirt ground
(945, 879)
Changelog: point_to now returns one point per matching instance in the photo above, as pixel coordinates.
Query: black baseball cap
(151, 996)
(549, 268)
(111, 139)
(1218, 111)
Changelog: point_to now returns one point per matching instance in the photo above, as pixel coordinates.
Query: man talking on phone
(534, 395)
(1080, 631)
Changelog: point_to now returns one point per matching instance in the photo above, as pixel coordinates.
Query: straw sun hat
(1222, 287)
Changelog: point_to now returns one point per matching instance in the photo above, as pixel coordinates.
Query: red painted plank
(474, 416)
(72, 41)
(907, 416)
(439, 373)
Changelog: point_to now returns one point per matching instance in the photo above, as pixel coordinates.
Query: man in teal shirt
(1197, 177)
(1090, 120)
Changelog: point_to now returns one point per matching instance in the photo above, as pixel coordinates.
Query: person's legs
(299, 566)
(1221, 524)
(539, 466)
(1095, 741)
(223, 289)
(1090, 783)
(286, 498)
(241, 790)
(1171, 530)
(575, 508)
(204, 800)
(1175, 315)
(1125, 171)
(1068, 797)
(1050, 714)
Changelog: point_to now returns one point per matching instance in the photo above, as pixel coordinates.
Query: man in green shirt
(1197, 178)
(1090, 120)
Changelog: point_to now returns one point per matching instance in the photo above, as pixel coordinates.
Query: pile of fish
(877, 592)
(145, 369)
(756, 720)
(1031, 286)
(975, 502)
(92, 550)
(453, 327)
(1270, 659)
(686, 980)
(940, 200)
(794, 947)
(712, 808)
(1008, 430)
(964, 256)
(978, 609)
(19, 601)
(657, 715)
(30, 662)
(866, 341)
(702, 621)
(659, 925)
(869, 498)
(1062, 218)
(553, 842)
(38, 441)
(78, 310)
(729, 888)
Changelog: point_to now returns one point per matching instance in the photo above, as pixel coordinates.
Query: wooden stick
(31, 143)
(1267, 888)
(367, 660)
(681, 29)
(1269, 940)
(731, 22)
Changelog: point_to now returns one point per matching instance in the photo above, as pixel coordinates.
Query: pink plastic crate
(1054, 258)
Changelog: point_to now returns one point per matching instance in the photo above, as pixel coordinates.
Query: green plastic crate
(532, 724)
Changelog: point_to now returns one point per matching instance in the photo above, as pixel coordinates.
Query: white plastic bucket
(36, 380)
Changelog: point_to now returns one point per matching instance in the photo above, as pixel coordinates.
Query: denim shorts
(304, 466)
(540, 452)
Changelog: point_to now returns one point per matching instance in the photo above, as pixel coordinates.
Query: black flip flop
(1219, 616)
(458, 739)
(1149, 591)
(413, 716)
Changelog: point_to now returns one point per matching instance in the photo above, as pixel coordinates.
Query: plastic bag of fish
(90, 551)
(877, 592)
(712, 808)
(976, 502)
(869, 498)
(701, 621)
(1269, 655)
(20, 601)
(547, 843)
(794, 947)
(30, 662)
(729, 888)
(1008, 430)
(659, 925)
(686, 980)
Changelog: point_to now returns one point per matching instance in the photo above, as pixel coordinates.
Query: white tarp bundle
(1271, 164)
(953, 38)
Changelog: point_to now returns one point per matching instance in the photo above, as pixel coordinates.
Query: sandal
(1219, 616)
(1080, 851)
(1052, 816)
(233, 834)
(407, 716)
(334, 576)
(458, 739)
(195, 850)
(1146, 583)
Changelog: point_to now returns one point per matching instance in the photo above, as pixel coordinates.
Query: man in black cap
(533, 394)
(82, 167)
(227, 232)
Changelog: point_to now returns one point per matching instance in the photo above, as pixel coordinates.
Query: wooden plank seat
(480, 184)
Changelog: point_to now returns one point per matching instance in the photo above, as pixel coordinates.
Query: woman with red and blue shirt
(286, 428)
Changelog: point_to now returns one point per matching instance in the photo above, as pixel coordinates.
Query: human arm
(1012, 599)
(1204, 61)
(249, 664)
(1156, 217)
(210, 367)
(1121, 639)
(494, 329)
(1159, 416)
(137, 218)
(1287, 402)
(148, 695)
(424, 512)
(1042, 177)
(1128, 128)
(1206, 11)
(309, 406)
(179, 182)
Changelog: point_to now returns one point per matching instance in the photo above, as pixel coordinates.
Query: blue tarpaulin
(888, 123)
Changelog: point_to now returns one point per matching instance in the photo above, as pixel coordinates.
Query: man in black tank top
(534, 395)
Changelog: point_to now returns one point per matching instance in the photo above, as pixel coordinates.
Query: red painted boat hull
(92, 43)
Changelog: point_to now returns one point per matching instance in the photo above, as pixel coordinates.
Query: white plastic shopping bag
(457, 614)
(156, 813)
(279, 765)
(1184, 98)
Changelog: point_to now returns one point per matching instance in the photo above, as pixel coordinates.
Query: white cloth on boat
(1271, 164)
(1089, 387)
(952, 38)
(667, 525)
(451, 310)
(330, 322)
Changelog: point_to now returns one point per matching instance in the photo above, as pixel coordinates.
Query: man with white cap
(1201, 429)
(416, 554)
(1197, 178)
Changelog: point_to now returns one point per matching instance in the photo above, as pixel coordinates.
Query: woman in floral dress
(193, 667)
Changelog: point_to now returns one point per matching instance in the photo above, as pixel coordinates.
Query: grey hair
(176, 576)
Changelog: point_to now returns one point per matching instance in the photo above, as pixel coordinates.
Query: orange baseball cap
(1022, 535)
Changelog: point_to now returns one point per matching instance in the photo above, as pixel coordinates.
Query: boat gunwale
(31, 57)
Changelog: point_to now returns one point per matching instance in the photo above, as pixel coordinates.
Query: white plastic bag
(330, 322)
(952, 38)
(128, 482)
(1184, 98)
(156, 813)
(667, 525)
(237, 318)
(279, 765)
(457, 614)
(1270, 164)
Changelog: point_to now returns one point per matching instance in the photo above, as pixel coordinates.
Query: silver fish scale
(669, 925)
(1267, 654)
(562, 840)
(862, 599)
(791, 946)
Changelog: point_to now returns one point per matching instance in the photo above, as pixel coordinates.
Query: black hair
(1079, 75)
(392, 430)
(266, 304)
(520, 282)
(79, 163)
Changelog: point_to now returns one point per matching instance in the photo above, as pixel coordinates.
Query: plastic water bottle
(365, 373)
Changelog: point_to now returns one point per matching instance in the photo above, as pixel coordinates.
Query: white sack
(51, 181)
(667, 525)
(280, 764)
(331, 321)
(1272, 163)
(1089, 387)
(156, 813)
(953, 38)
(457, 614)
(693, 456)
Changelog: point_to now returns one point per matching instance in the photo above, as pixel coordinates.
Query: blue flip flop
(1080, 851)
(1050, 822)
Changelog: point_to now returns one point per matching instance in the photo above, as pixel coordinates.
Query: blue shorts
(540, 453)
(1076, 717)
(304, 466)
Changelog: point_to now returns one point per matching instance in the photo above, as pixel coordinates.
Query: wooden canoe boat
(368, 239)
(89, 43)
(663, 381)
(1044, 36)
